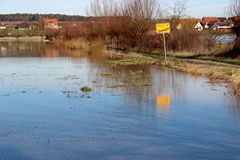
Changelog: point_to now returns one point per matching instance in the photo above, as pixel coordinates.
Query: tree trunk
(237, 43)
(235, 52)
(236, 48)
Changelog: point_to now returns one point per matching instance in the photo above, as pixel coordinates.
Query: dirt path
(196, 61)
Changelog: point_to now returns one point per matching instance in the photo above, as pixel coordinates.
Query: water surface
(44, 114)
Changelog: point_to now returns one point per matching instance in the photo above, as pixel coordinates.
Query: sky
(195, 8)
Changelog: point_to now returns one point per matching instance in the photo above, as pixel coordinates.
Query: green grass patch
(220, 59)
(86, 89)
(134, 61)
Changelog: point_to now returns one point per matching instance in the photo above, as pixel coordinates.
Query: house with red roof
(51, 24)
(209, 21)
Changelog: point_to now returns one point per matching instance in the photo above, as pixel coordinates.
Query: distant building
(51, 24)
(222, 19)
(2, 26)
(189, 24)
(199, 26)
(209, 21)
(23, 26)
(227, 25)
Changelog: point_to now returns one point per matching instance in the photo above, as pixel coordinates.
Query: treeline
(130, 25)
(35, 17)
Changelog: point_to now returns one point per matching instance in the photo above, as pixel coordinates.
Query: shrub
(51, 34)
(184, 40)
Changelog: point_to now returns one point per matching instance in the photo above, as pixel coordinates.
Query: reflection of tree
(22, 49)
(133, 82)
(233, 104)
(38, 49)
(134, 87)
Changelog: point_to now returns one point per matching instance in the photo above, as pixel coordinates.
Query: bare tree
(176, 11)
(139, 16)
(235, 8)
(235, 12)
(100, 8)
(128, 19)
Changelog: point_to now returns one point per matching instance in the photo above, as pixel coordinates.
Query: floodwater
(226, 38)
(133, 113)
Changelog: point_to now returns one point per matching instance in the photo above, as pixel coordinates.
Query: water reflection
(140, 84)
(164, 103)
(41, 99)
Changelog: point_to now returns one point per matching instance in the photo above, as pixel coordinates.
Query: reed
(76, 44)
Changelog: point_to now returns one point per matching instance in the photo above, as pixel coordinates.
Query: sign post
(163, 28)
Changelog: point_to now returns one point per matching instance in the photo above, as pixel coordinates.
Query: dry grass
(235, 81)
(75, 44)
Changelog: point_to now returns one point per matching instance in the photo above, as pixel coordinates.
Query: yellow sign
(163, 28)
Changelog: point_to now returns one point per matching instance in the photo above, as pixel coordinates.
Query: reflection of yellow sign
(164, 101)
(163, 28)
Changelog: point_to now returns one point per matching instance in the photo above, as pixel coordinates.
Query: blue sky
(196, 8)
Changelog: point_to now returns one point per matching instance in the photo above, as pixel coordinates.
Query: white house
(222, 26)
(51, 24)
(199, 26)
(3, 27)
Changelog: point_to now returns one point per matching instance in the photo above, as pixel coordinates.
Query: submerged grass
(110, 74)
(128, 79)
(135, 84)
(86, 89)
(118, 58)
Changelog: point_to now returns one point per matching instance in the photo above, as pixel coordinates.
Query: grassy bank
(216, 72)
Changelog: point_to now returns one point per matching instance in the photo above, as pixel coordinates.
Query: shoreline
(23, 39)
(213, 71)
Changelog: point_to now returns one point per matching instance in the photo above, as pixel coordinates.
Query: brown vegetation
(51, 34)
(129, 25)
(235, 11)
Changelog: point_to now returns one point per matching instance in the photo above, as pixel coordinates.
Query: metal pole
(165, 47)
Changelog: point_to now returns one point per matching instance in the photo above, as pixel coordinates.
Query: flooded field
(56, 105)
